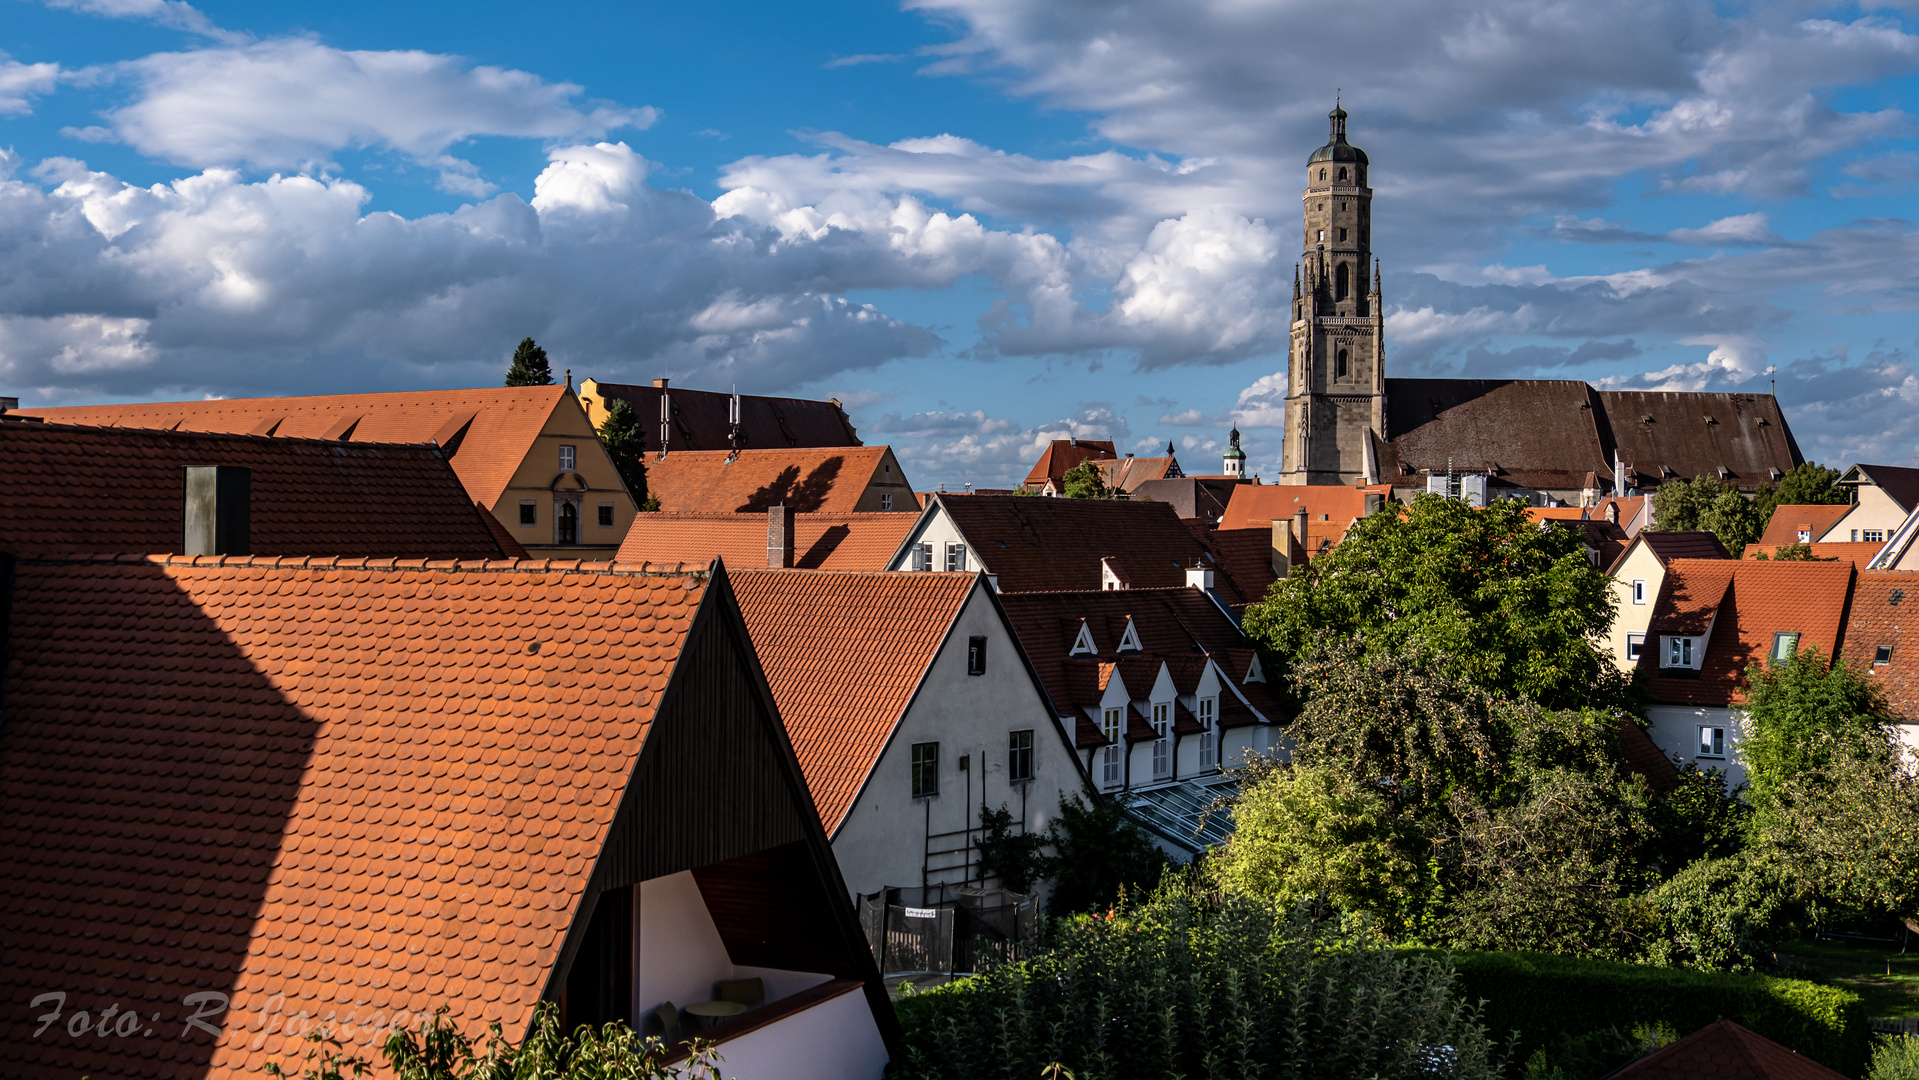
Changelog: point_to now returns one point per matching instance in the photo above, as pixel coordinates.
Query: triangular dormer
(1129, 638)
(1083, 642)
(1254, 673)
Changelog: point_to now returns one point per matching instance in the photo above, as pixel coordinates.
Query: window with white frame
(568, 455)
(1712, 741)
(1678, 652)
(1873, 536)
(955, 556)
(1208, 745)
(1784, 645)
(886, 502)
(1163, 739)
(1804, 536)
(1635, 646)
(1639, 590)
(1110, 773)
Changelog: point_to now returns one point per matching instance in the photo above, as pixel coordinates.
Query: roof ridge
(242, 436)
(365, 562)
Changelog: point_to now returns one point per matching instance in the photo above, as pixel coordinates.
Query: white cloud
(21, 83)
(174, 13)
(1742, 230)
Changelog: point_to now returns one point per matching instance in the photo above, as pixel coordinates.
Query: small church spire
(1375, 277)
(1295, 282)
(1338, 117)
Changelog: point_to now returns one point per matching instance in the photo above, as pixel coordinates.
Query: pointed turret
(1235, 464)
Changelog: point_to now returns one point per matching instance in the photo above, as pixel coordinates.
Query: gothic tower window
(1322, 174)
(1339, 362)
(1339, 282)
(1342, 174)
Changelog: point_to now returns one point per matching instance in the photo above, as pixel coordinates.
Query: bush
(1541, 996)
(1185, 986)
(1895, 1058)
(1723, 914)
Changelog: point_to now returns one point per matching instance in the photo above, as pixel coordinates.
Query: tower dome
(1337, 148)
(1235, 457)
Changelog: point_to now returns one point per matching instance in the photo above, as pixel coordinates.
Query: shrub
(1540, 996)
(1185, 986)
(1722, 914)
(1895, 1058)
(614, 1052)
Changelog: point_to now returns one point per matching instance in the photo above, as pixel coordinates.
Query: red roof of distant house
(486, 433)
(1061, 455)
(848, 542)
(844, 654)
(805, 480)
(1790, 519)
(1330, 510)
(1724, 1051)
(1856, 554)
(1128, 473)
(1644, 757)
(1884, 603)
(67, 489)
(331, 785)
(1631, 509)
(1745, 603)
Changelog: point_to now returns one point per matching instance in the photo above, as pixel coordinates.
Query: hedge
(1540, 995)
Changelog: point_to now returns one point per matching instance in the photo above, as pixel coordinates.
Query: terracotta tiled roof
(66, 489)
(1556, 513)
(1790, 519)
(1037, 544)
(1643, 756)
(1607, 541)
(378, 788)
(1725, 1051)
(1755, 600)
(487, 433)
(700, 419)
(1856, 554)
(1884, 603)
(1061, 455)
(806, 481)
(1329, 509)
(1128, 473)
(1631, 509)
(844, 654)
(850, 542)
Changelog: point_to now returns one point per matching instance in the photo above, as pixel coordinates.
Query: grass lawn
(1861, 968)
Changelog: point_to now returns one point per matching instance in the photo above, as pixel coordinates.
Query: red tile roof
(1128, 473)
(700, 418)
(310, 784)
(806, 481)
(844, 654)
(1330, 510)
(66, 489)
(487, 433)
(849, 542)
(1061, 455)
(1644, 757)
(1856, 554)
(1790, 519)
(1631, 508)
(1747, 603)
(1724, 1051)
(1884, 603)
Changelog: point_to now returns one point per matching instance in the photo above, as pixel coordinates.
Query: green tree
(1792, 553)
(1797, 712)
(1806, 484)
(1710, 504)
(1723, 914)
(1083, 481)
(1848, 825)
(441, 1051)
(625, 440)
(1515, 606)
(1100, 853)
(530, 367)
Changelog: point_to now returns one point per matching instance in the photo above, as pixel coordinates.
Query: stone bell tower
(1336, 367)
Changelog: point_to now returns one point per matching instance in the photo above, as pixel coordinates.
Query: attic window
(1083, 641)
(1678, 652)
(1784, 645)
(1893, 598)
(1129, 638)
(976, 656)
(1882, 655)
(568, 457)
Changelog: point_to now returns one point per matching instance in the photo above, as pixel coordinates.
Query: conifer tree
(530, 367)
(625, 439)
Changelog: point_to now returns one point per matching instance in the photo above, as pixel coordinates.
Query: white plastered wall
(938, 530)
(1639, 564)
(1675, 730)
(681, 955)
(1874, 510)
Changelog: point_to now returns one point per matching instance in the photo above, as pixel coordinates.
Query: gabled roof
(1788, 519)
(845, 655)
(1690, 544)
(1128, 473)
(1330, 509)
(1061, 455)
(486, 433)
(68, 489)
(1884, 603)
(1038, 544)
(1536, 433)
(1632, 508)
(804, 480)
(363, 786)
(1202, 497)
(1745, 603)
(850, 542)
(700, 418)
(1724, 1051)
(1857, 554)
(1245, 558)
(1900, 484)
(1697, 434)
(1606, 540)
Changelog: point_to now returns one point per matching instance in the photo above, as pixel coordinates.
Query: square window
(956, 556)
(1783, 646)
(976, 656)
(1019, 756)
(1882, 655)
(606, 515)
(926, 769)
(1635, 646)
(886, 502)
(568, 456)
(529, 512)
(1712, 742)
(1639, 591)
(1679, 652)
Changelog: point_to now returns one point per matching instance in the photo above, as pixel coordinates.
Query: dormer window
(1803, 536)
(1882, 655)
(1784, 645)
(1083, 641)
(1679, 652)
(1129, 639)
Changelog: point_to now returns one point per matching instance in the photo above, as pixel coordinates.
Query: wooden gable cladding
(804, 934)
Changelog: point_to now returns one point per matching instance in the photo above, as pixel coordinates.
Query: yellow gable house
(528, 454)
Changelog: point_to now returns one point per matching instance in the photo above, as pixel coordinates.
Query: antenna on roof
(1772, 384)
(666, 417)
(733, 418)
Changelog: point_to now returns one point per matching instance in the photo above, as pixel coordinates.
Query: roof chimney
(219, 515)
(7, 403)
(779, 538)
(661, 383)
(1199, 577)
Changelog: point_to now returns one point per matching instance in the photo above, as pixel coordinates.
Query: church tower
(1336, 367)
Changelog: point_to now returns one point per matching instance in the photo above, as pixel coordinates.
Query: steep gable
(805, 481)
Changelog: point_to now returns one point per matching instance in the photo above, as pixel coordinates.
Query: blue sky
(982, 224)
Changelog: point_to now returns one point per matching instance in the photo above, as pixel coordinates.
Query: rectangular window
(922, 556)
(606, 515)
(1855, 536)
(1874, 536)
(1163, 745)
(1783, 646)
(529, 512)
(955, 556)
(1805, 536)
(1109, 755)
(886, 502)
(1019, 756)
(567, 458)
(1208, 747)
(1712, 742)
(976, 656)
(1882, 655)
(1639, 591)
(926, 769)
(1679, 652)
(1635, 646)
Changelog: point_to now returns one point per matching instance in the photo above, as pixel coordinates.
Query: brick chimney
(779, 538)
(218, 518)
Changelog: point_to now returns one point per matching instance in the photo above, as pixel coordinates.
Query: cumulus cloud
(991, 452)
(21, 83)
